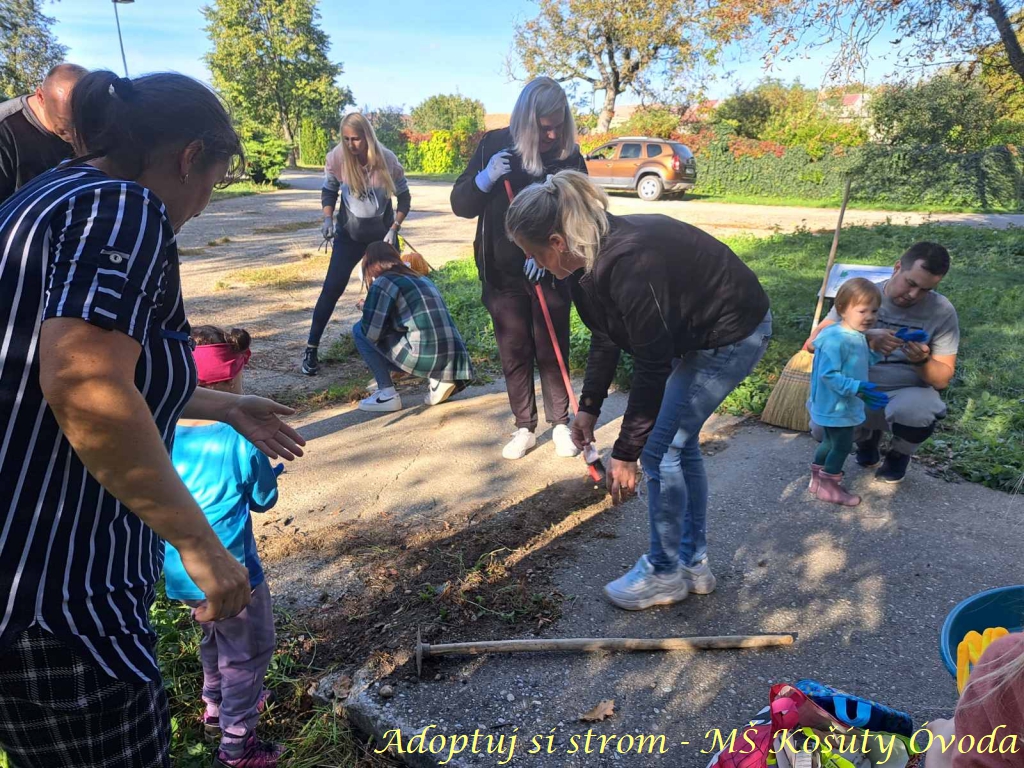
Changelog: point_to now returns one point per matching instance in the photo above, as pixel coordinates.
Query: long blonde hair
(542, 97)
(356, 177)
(997, 679)
(568, 204)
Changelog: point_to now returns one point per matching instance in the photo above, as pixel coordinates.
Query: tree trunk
(1014, 53)
(289, 138)
(604, 122)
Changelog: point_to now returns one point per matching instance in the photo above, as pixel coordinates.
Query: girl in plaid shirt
(407, 327)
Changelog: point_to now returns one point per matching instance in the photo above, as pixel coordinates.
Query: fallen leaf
(342, 686)
(604, 710)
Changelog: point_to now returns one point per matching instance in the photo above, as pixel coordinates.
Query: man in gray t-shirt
(912, 374)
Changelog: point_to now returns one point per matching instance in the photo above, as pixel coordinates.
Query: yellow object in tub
(970, 650)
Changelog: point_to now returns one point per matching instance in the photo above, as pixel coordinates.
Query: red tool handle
(595, 474)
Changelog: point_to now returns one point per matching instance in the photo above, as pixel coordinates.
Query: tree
(28, 49)
(270, 63)
(947, 110)
(621, 45)
(927, 30)
(747, 111)
(448, 112)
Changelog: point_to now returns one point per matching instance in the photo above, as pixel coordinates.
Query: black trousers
(345, 255)
(523, 338)
(59, 710)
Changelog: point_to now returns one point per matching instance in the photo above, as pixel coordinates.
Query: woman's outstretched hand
(258, 420)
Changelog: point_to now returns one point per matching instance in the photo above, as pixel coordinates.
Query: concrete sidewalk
(866, 590)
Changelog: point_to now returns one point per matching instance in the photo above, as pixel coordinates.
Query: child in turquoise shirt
(840, 386)
(229, 478)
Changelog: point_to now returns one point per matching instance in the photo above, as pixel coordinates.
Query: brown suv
(649, 166)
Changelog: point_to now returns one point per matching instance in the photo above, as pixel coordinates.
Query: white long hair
(542, 97)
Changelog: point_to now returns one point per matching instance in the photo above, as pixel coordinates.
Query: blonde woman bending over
(367, 176)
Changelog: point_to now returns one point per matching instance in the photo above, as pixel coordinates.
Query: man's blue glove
(533, 271)
(870, 394)
(916, 336)
(279, 469)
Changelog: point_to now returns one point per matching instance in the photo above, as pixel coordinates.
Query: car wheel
(649, 187)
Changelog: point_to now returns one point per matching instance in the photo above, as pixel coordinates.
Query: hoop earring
(184, 179)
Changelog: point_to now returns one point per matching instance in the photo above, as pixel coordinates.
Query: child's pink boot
(830, 490)
(815, 471)
(256, 754)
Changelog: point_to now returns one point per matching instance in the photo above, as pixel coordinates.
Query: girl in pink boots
(840, 386)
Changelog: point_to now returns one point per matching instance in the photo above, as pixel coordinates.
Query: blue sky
(398, 56)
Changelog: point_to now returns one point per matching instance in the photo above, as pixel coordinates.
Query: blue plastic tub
(1001, 607)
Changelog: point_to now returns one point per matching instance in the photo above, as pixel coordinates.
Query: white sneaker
(561, 436)
(383, 400)
(438, 391)
(522, 441)
(699, 579)
(642, 587)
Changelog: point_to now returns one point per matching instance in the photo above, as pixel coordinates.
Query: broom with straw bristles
(787, 404)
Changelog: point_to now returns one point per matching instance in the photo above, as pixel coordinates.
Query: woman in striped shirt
(95, 369)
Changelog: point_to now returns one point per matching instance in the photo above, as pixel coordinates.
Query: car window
(629, 152)
(653, 150)
(682, 150)
(607, 152)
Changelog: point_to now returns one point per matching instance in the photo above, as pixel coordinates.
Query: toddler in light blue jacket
(840, 386)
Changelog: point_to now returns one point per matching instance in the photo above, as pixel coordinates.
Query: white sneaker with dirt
(438, 391)
(561, 436)
(522, 441)
(699, 579)
(382, 401)
(642, 587)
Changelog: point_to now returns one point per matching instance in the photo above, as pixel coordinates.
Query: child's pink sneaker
(211, 722)
(257, 754)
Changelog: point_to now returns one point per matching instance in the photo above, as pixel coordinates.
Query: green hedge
(313, 143)
(991, 178)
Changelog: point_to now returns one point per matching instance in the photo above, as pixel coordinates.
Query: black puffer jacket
(660, 288)
(498, 260)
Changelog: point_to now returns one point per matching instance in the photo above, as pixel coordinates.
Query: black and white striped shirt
(75, 243)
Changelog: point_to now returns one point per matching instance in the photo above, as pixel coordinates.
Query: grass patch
(342, 349)
(445, 177)
(278, 229)
(313, 735)
(218, 242)
(282, 276)
(244, 189)
(186, 252)
(349, 390)
(862, 205)
(981, 440)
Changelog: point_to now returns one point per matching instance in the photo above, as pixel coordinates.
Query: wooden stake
(595, 644)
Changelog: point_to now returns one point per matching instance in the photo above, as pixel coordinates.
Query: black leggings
(345, 254)
(523, 337)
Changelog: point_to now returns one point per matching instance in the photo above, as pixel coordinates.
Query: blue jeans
(378, 363)
(677, 486)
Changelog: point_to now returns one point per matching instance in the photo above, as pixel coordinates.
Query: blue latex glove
(499, 165)
(872, 397)
(916, 336)
(533, 271)
(279, 469)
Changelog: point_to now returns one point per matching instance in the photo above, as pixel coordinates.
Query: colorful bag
(856, 711)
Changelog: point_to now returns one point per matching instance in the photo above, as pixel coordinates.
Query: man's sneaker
(382, 401)
(522, 441)
(868, 455)
(438, 391)
(561, 436)
(894, 468)
(699, 579)
(310, 364)
(642, 587)
(257, 754)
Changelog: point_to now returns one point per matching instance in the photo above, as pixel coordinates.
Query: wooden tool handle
(610, 644)
(832, 254)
